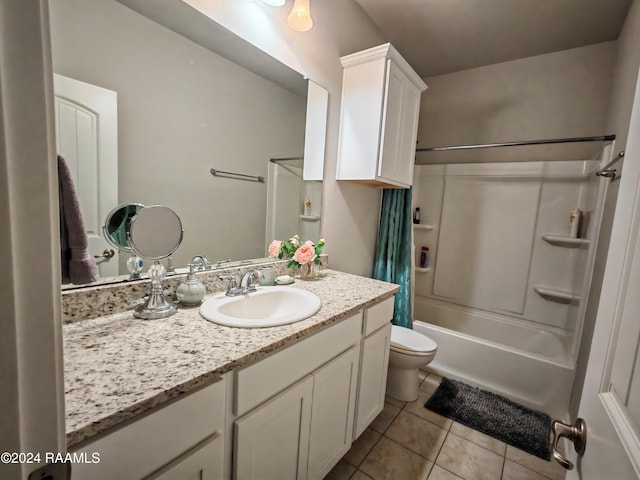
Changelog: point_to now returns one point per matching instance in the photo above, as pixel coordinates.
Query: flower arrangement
(299, 253)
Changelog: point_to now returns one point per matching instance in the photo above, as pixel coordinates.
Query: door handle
(108, 253)
(575, 433)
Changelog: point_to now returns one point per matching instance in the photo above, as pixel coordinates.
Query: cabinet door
(272, 441)
(334, 395)
(400, 122)
(408, 133)
(372, 381)
(205, 463)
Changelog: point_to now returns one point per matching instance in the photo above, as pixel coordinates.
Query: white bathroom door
(86, 118)
(610, 401)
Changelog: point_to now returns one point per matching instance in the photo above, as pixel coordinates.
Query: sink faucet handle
(232, 289)
(220, 262)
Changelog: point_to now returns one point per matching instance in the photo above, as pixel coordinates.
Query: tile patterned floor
(408, 442)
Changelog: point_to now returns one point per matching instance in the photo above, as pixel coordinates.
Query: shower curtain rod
(285, 159)
(602, 138)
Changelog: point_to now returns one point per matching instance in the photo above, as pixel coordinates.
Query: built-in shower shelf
(422, 226)
(565, 241)
(310, 218)
(423, 270)
(555, 294)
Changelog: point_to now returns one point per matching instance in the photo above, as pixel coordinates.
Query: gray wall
(625, 75)
(181, 111)
(561, 94)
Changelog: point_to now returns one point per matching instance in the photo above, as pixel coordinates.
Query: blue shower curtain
(393, 251)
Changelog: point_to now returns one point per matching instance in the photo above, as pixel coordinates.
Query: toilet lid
(410, 340)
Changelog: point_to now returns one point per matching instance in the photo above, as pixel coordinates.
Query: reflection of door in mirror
(86, 136)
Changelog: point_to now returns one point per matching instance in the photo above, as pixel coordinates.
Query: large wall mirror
(148, 102)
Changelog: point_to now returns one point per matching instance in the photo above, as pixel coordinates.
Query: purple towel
(78, 266)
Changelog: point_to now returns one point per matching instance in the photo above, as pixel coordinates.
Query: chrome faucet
(246, 286)
(220, 262)
(201, 262)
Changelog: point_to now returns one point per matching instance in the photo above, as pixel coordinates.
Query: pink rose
(295, 241)
(274, 248)
(305, 254)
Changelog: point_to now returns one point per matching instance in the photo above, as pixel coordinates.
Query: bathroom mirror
(183, 108)
(117, 224)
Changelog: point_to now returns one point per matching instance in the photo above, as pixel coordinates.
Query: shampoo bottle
(575, 219)
(424, 257)
(416, 216)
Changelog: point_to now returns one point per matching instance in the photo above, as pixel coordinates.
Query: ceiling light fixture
(300, 17)
(274, 3)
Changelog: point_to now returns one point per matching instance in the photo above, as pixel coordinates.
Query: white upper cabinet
(378, 118)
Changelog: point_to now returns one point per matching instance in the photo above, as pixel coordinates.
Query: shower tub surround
(118, 367)
(506, 293)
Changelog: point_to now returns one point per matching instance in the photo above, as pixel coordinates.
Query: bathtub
(530, 366)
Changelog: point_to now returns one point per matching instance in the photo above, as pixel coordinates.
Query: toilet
(410, 350)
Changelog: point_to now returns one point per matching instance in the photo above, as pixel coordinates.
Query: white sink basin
(267, 307)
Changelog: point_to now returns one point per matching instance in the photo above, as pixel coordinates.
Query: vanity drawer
(376, 316)
(142, 447)
(262, 380)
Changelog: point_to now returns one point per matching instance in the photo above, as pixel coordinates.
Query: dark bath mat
(493, 415)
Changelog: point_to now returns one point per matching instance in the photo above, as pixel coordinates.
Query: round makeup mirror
(155, 232)
(116, 226)
(116, 233)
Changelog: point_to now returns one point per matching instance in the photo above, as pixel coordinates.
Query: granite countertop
(118, 366)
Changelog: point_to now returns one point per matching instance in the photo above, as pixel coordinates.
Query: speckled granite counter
(118, 367)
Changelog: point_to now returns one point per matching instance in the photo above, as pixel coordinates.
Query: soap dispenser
(191, 291)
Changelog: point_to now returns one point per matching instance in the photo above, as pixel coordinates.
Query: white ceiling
(444, 36)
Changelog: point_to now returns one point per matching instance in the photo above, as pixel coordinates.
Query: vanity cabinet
(184, 440)
(292, 414)
(378, 118)
(301, 408)
(302, 431)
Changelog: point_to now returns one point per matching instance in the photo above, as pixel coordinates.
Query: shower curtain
(393, 250)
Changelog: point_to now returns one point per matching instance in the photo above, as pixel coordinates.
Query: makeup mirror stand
(157, 305)
(155, 233)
